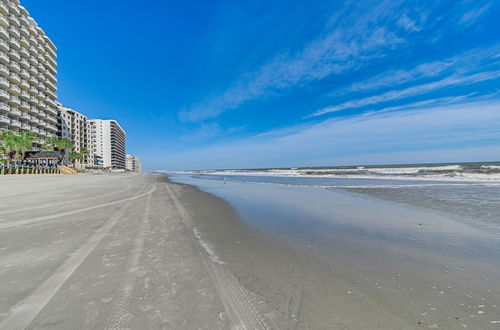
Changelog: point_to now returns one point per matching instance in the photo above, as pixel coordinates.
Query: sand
(134, 251)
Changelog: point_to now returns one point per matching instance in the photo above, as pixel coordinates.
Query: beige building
(133, 164)
(27, 74)
(72, 125)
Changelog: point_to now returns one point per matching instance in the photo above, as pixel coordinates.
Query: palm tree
(64, 144)
(51, 143)
(74, 156)
(24, 143)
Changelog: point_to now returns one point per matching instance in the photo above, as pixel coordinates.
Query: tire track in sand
(119, 310)
(25, 311)
(236, 298)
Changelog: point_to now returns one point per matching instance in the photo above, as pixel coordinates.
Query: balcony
(33, 81)
(25, 127)
(14, 90)
(14, 43)
(4, 83)
(4, 95)
(51, 60)
(35, 120)
(4, 34)
(24, 31)
(14, 9)
(24, 74)
(25, 116)
(33, 50)
(33, 61)
(33, 70)
(15, 113)
(3, 9)
(15, 123)
(14, 20)
(4, 59)
(41, 97)
(3, 70)
(24, 106)
(24, 96)
(4, 119)
(4, 107)
(33, 111)
(15, 101)
(24, 85)
(3, 21)
(13, 66)
(14, 78)
(14, 54)
(51, 93)
(24, 53)
(13, 31)
(33, 91)
(24, 42)
(24, 63)
(4, 46)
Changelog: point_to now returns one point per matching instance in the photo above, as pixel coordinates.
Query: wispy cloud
(461, 126)
(357, 34)
(455, 80)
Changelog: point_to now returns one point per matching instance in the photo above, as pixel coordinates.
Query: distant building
(107, 141)
(72, 125)
(27, 74)
(133, 164)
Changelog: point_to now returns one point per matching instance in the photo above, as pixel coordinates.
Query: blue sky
(240, 84)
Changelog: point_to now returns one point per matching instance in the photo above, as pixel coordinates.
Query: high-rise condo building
(133, 164)
(27, 74)
(72, 125)
(107, 141)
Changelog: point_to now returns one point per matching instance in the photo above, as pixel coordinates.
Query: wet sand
(328, 259)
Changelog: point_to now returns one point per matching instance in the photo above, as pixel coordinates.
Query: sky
(284, 83)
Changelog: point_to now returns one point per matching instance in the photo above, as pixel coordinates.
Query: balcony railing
(14, 89)
(4, 95)
(4, 82)
(24, 106)
(3, 21)
(14, 77)
(4, 59)
(14, 66)
(15, 123)
(15, 100)
(13, 31)
(4, 106)
(24, 31)
(24, 63)
(4, 46)
(24, 53)
(14, 20)
(4, 119)
(4, 33)
(3, 9)
(15, 112)
(3, 70)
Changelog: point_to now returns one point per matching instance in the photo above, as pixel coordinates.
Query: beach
(140, 252)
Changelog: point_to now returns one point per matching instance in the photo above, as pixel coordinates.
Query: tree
(51, 143)
(64, 144)
(15, 145)
(24, 143)
(74, 156)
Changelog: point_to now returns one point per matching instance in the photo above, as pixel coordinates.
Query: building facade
(72, 125)
(107, 142)
(27, 74)
(133, 164)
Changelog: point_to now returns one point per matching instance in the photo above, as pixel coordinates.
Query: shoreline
(349, 284)
(302, 289)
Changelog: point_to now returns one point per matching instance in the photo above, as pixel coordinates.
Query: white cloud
(423, 130)
(454, 80)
